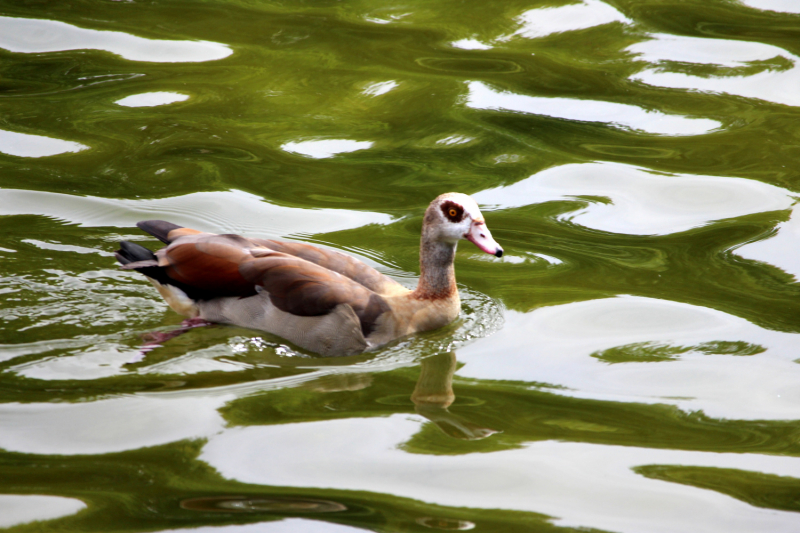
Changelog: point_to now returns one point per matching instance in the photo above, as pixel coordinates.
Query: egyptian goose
(321, 300)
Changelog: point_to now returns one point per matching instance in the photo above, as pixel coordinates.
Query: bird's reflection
(341, 382)
(433, 395)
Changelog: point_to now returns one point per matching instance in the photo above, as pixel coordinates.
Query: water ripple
(546, 21)
(27, 145)
(34, 36)
(586, 486)
(324, 148)
(741, 68)
(782, 6)
(152, 99)
(18, 509)
(635, 201)
(481, 96)
(218, 212)
(710, 376)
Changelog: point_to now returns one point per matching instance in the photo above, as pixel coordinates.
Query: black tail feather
(130, 252)
(158, 229)
(145, 262)
(133, 256)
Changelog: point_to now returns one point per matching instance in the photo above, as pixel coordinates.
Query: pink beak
(480, 236)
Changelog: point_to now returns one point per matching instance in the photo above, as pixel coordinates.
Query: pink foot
(195, 323)
(155, 339)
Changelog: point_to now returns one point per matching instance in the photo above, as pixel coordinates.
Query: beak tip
(499, 252)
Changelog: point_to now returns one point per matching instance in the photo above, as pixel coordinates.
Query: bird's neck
(437, 278)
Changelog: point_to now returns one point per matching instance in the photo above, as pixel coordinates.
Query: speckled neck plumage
(437, 274)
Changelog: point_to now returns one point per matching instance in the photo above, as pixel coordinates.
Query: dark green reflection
(755, 488)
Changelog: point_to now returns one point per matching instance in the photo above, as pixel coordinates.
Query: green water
(629, 365)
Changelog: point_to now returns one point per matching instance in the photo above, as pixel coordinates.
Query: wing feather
(209, 263)
(338, 262)
(303, 288)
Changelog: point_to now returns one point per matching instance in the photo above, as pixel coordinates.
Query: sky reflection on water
(579, 485)
(784, 6)
(779, 250)
(152, 99)
(27, 145)
(546, 21)
(324, 148)
(481, 96)
(635, 201)
(35, 36)
(665, 353)
(746, 71)
(221, 211)
(21, 509)
(287, 525)
(105, 425)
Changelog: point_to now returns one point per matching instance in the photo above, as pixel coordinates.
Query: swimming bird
(321, 300)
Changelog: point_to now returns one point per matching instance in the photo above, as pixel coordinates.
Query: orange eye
(453, 213)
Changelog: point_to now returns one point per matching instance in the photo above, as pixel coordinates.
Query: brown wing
(208, 263)
(338, 262)
(343, 264)
(301, 279)
(303, 288)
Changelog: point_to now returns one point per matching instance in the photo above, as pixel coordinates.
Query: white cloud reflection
(152, 99)
(21, 509)
(324, 148)
(781, 6)
(481, 96)
(27, 145)
(545, 21)
(579, 485)
(470, 44)
(106, 426)
(734, 386)
(220, 212)
(641, 202)
(780, 250)
(379, 88)
(33, 36)
(287, 525)
(771, 83)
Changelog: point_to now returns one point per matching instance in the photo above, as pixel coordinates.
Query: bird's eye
(453, 213)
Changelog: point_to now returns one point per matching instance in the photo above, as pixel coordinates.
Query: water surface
(630, 365)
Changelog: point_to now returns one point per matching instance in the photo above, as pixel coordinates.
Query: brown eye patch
(452, 211)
